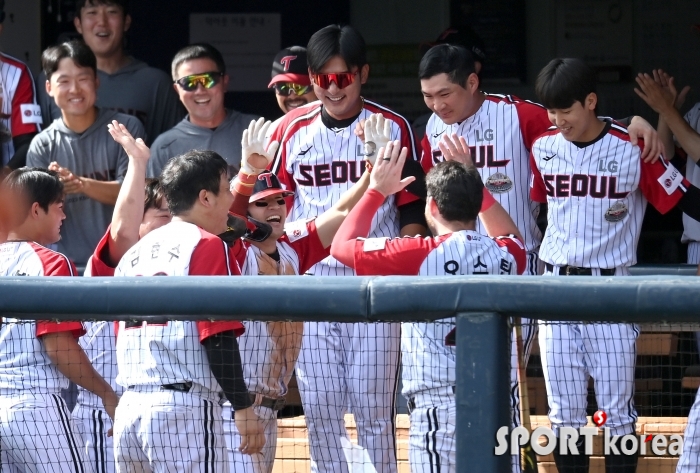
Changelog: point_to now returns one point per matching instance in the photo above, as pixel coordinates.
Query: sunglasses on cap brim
(287, 88)
(206, 79)
(341, 79)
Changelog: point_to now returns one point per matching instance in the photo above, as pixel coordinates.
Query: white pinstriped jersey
(171, 351)
(500, 135)
(427, 362)
(269, 350)
(20, 114)
(319, 164)
(24, 363)
(597, 195)
(691, 227)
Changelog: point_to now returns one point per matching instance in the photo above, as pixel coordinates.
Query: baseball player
(127, 85)
(660, 93)
(500, 131)
(319, 158)
(596, 188)
(455, 194)
(90, 163)
(39, 358)
(132, 219)
(200, 79)
(175, 373)
(269, 350)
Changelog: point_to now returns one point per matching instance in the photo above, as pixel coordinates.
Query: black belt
(274, 404)
(180, 387)
(576, 271)
(411, 403)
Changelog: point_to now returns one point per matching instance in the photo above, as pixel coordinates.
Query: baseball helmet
(290, 65)
(268, 184)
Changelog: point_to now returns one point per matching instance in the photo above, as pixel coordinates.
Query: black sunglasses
(262, 203)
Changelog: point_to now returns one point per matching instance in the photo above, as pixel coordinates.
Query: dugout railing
(482, 306)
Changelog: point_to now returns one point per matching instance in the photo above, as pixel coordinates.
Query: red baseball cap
(290, 65)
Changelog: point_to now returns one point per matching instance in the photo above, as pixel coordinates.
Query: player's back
(169, 352)
(24, 363)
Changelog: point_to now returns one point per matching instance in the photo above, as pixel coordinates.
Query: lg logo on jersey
(581, 185)
(612, 166)
(659, 445)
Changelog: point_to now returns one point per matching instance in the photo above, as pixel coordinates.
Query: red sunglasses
(341, 79)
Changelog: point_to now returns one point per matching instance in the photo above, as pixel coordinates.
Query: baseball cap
(268, 184)
(464, 37)
(290, 66)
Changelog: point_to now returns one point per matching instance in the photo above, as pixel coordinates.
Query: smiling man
(77, 146)
(319, 158)
(127, 85)
(200, 79)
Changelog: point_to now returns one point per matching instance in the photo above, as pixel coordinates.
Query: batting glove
(377, 135)
(254, 157)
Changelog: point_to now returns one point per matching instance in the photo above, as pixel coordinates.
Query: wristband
(242, 189)
(246, 179)
(487, 201)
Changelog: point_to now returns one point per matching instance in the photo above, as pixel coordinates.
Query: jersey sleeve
(426, 158)
(386, 257)
(37, 155)
(662, 184)
(538, 191)
(516, 248)
(26, 113)
(45, 327)
(416, 190)
(280, 165)
(211, 257)
(303, 238)
(99, 263)
(533, 120)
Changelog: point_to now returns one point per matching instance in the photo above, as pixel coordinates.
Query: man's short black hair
(457, 190)
(80, 4)
(35, 185)
(198, 51)
(455, 61)
(563, 82)
(186, 175)
(76, 50)
(335, 40)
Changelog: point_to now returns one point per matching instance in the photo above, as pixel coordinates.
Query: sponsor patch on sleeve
(296, 230)
(31, 113)
(671, 179)
(374, 244)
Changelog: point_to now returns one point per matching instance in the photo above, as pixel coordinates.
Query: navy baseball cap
(290, 65)
(268, 184)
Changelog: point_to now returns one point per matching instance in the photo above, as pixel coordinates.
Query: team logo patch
(296, 230)
(671, 179)
(498, 183)
(374, 244)
(31, 113)
(617, 212)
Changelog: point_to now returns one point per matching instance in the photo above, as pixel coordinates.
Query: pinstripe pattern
(579, 230)
(98, 436)
(690, 459)
(691, 227)
(78, 466)
(494, 132)
(14, 75)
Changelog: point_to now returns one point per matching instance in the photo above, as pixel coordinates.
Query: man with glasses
(290, 80)
(320, 156)
(201, 81)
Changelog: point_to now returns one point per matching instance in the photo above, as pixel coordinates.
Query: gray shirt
(136, 89)
(185, 136)
(92, 154)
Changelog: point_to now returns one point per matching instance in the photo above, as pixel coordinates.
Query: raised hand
(136, 149)
(377, 133)
(386, 173)
(254, 157)
(455, 148)
(71, 183)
